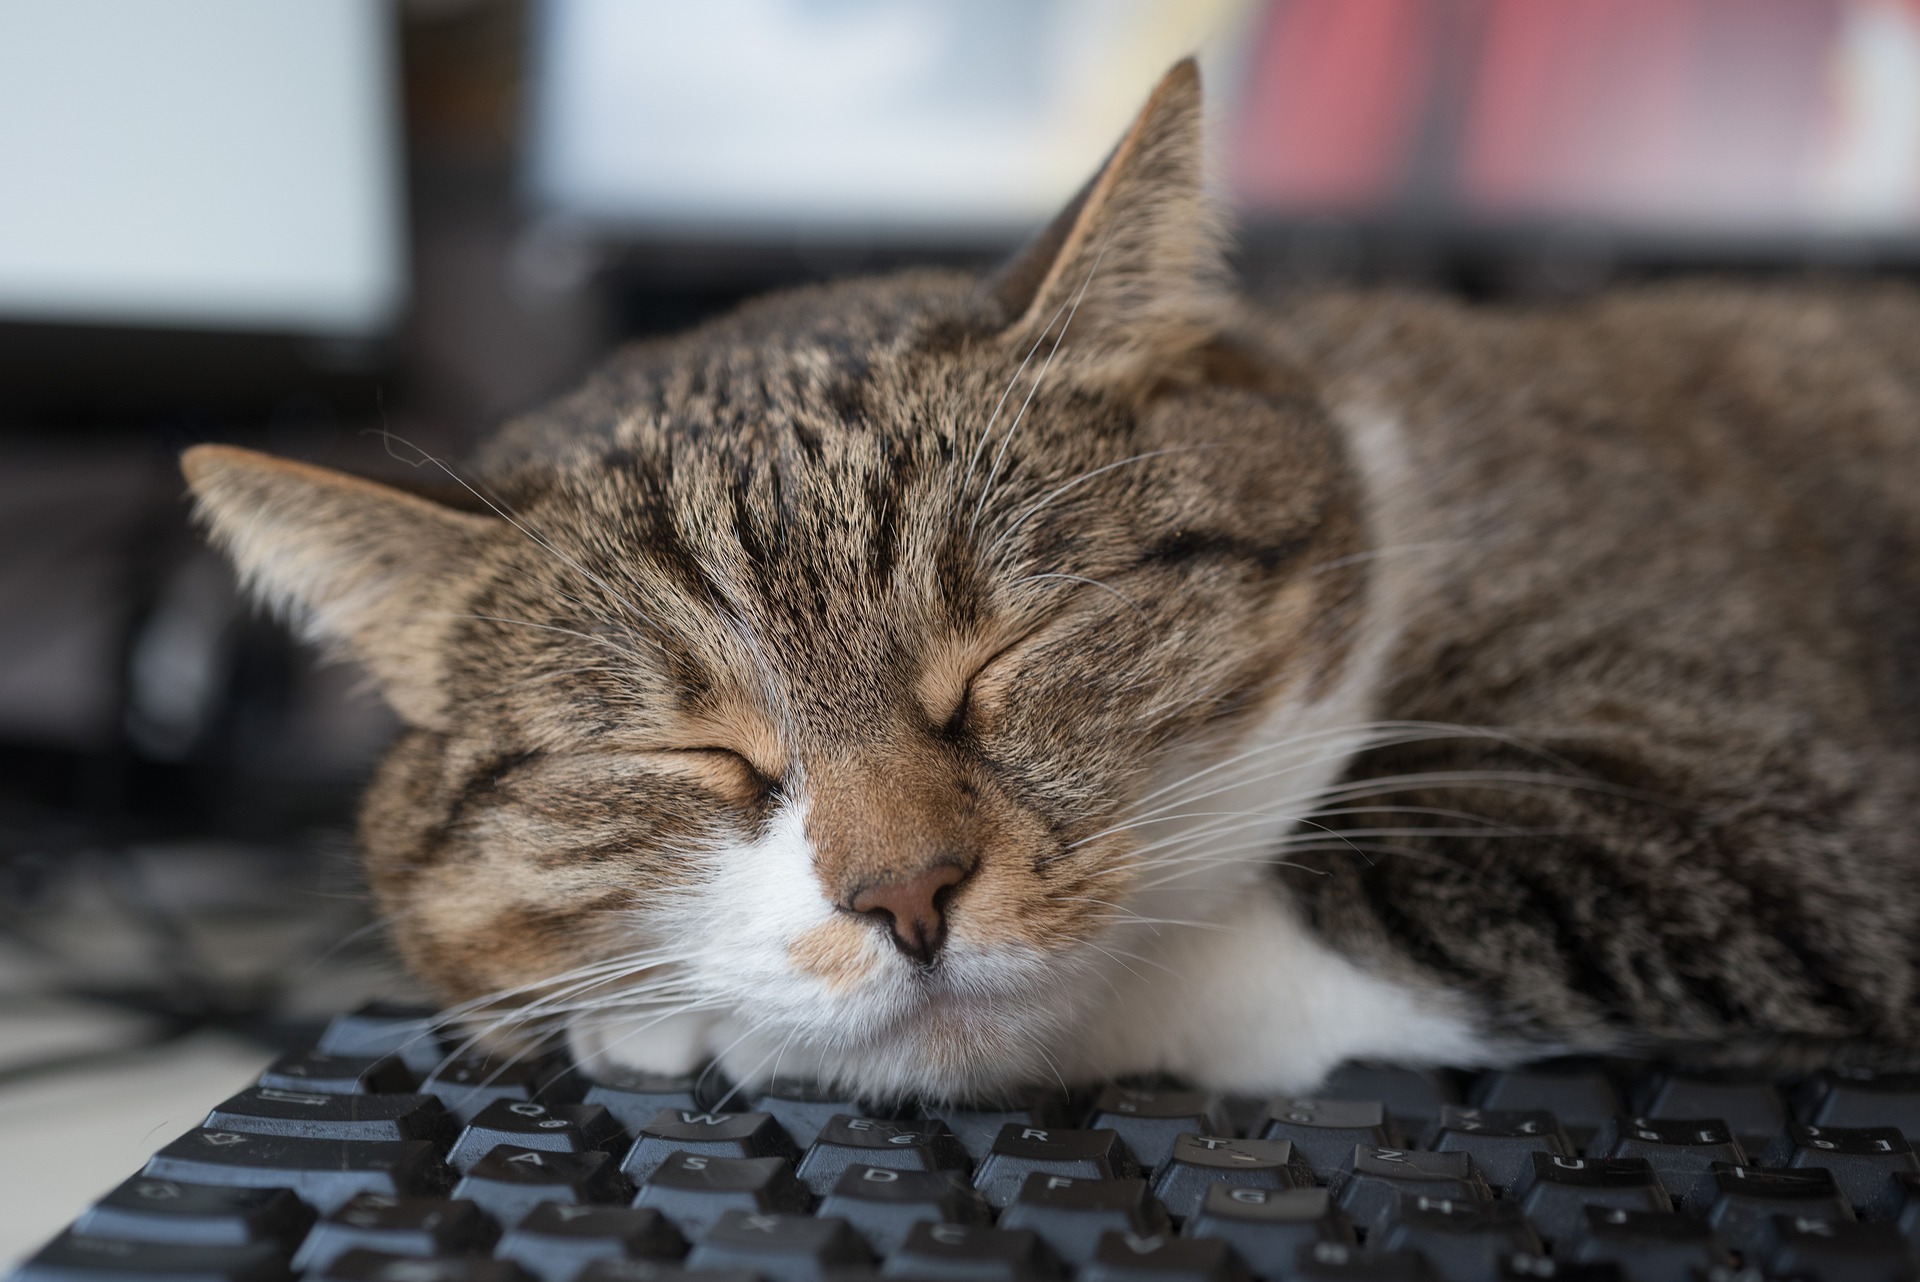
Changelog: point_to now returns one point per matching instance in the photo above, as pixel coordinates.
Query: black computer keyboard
(375, 1158)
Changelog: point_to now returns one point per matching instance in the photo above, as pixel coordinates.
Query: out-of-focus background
(354, 231)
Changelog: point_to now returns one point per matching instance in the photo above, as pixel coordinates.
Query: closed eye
(711, 763)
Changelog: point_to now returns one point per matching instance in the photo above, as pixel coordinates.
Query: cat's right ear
(370, 570)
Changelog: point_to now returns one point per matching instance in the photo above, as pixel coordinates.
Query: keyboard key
(1071, 1213)
(1337, 1262)
(781, 1248)
(1864, 1161)
(385, 1028)
(1909, 1218)
(658, 1271)
(883, 1204)
(323, 1173)
(1557, 1191)
(1681, 1151)
(150, 1210)
(1842, 1251)
(1858, 1097)
(1463, 1241)
(1580, 1096)
(1269, 1227)
(1650, 1245)
(1150, 1121)
(1413, 1097)
(801, 1109)
(1325, 1132)
(510, 1181)
(560, 1128)
(556, 1242)
(361, 1265)
(844, 1142)
(634, 1099)
(310, 1072)
(468, 1084)
(1382, 1176)
(71, 1258)
(976, 1129)
(1502, 1143)
(1160, 1257)
(1751, 1196)
(268, 1110)
(1021, 1151)
(694, 1190)
(1198, 1162)
(679, 1130)
(1754, 1111)
(971, 1253)
(1525, 1266)
(398, 1226)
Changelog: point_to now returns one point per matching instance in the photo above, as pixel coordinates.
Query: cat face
(813, 681)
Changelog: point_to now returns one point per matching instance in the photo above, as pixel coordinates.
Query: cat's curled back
(939, 684)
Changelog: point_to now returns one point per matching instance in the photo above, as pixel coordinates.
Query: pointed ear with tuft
(1136, 259)
(373, 571)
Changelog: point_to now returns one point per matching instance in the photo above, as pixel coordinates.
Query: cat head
(831, 687)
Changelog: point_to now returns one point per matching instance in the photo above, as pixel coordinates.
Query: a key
(510, 1181)
(883, 1204)
(1198, 1162)
(1382, 1176)
(1681, 1151)
(555, 1241)
(1413, 1097)
(976, 1129)
(318, 1115)
(924, 1145)
(1842, 1251)
(1325, 1132)
(1863, 1159)
(398, 1226)
(385, 1028)
(361, 1265)
(1751, 1196)
(1161, 1257)
(1020, 1151)
(1071, 1213)
(1338, 1262)
(1652, 1245)
(316, 1074)
(1502, 1142)
(1753, 1111)
(561, 1128)
(781, 1248)
(71, 1258)
(634, 1099)
(972, 1253)
(679, 1130)
(468, 1084)
(1463, 1241)
(323, 1173)
(801, 1108)
(1269, 1226)
(1858, 1097)
(1579, 1095)
(694, 1189)
(1150, 1121)
(1557, 1191)
(143, 1209)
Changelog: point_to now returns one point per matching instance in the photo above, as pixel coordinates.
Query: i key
(271, 1110)
(695, 1190)
(846, 1141)
(1325, 1132)
(556, 1241)
(1863, 1159)
(678, 1130)
(1199, 1162)
(149, 1210)
(1071, 1214)
(1558, 1190)
(1382, 1176)
(1021, 1151)
(323, 1173)
(781, 1248)
(314, 1073)
(510, 1181)
(971, 1253)
(1502, 1143)
(883, 1205)
(1681, 1153)
(398, 1226)
(1160, 1257)
(1269, 1227)
(1151, 1121)
(559, 1128)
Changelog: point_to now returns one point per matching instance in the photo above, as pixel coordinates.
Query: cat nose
(914, 907)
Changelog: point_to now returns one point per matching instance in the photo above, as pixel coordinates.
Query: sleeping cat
(939, 685)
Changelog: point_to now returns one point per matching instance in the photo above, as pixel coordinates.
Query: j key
(883, 1205)
(970, 1253)
(1857, 1097)
(1754, 1111)
(844, 1142)
(1336, 1262)
(1160, 1257)
(1751, 1196)
(1382, 1176)
(1198, 1162)
(272, 1110)
(1681, 1151)
(70, 1258)
(510, 1181)
(470, 1083)
(1842, 1252)
(1021, 1151)
(384, 1028)
(1863, 1159)
(695, 1190)
(561, 1128)
(556, 1241)
(1581, 1097)
(679, 1130)
(657, 1271)
(324, 1173)
(1150, 1121)
(1464, 1241)
(780, 1248)
(1651, 1246)
(1324, 1132)
(1558, 1190)
(1071, 1214)
(800, 1109)
(1269, 1227)
(635, 1099)
(977, 1129)
(312, 1072)
(1413, 1097)
(1502, 1143)
(150, 1210)
(398, 1226)
(378, 1266)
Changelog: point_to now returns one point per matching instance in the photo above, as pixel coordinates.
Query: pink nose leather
(912, 906)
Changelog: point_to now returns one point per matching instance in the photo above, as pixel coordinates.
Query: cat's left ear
(1134, 267)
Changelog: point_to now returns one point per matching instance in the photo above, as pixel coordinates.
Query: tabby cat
(940, 684)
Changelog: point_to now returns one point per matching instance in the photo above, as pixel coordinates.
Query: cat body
(938, 685)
